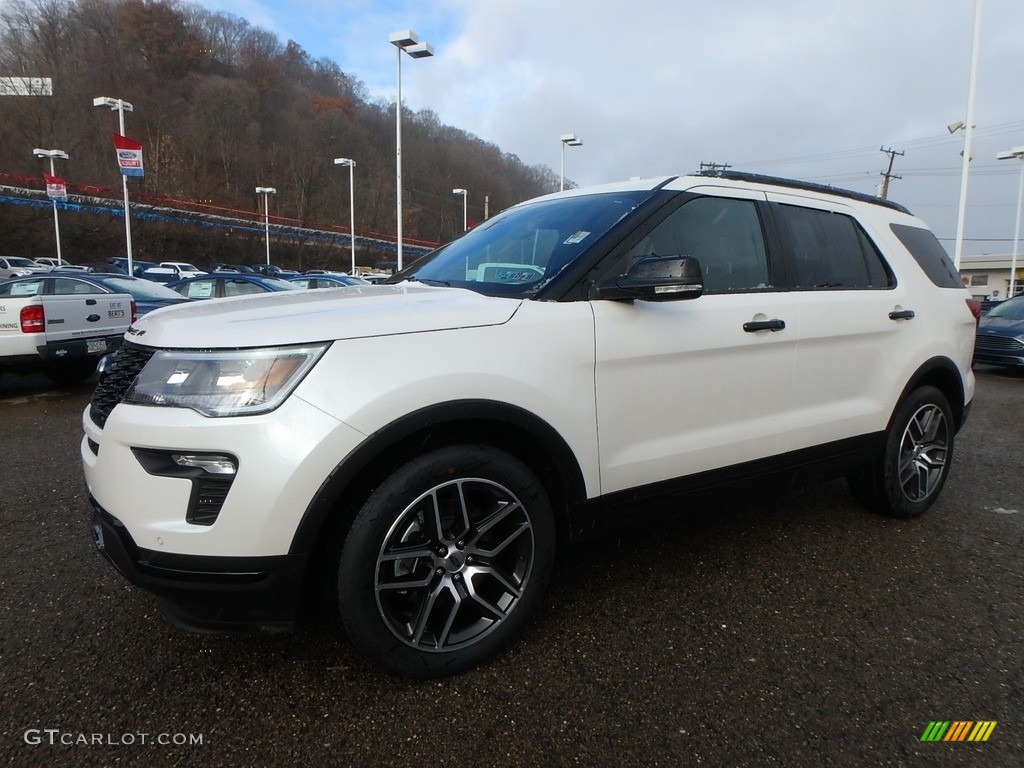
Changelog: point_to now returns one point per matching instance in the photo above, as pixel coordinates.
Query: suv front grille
(121, 369)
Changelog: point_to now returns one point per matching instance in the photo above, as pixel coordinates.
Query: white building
(988, 276)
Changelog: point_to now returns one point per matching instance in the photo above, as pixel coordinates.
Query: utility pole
(888, 174)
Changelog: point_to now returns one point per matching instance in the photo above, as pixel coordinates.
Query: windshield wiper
(441, 283)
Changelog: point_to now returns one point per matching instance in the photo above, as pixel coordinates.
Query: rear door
(856, 321)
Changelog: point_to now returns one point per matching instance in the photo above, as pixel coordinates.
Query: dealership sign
(129, 155)
(56, 187)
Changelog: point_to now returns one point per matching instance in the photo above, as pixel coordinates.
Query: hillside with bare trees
(220, 107)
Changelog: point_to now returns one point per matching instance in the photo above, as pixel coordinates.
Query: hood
(296, 317)
(1001, 326)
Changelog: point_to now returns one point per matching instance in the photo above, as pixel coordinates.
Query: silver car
(16, 266)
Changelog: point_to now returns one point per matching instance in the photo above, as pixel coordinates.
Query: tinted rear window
(830, 251)
(929, 255)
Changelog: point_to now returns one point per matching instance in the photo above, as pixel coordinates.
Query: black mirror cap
(659, 278)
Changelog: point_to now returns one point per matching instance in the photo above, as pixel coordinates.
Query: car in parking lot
(120, 264)
(148, 295)
(1000, 339)
(273, 270)
(16, 266)
(326, 280)
(54, 263)
(417, 450)
(222, 284)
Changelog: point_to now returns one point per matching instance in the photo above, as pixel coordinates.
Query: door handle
(902, 314)
(754, 326)
(90, 302)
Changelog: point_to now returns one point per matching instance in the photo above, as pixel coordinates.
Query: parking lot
(793, 629)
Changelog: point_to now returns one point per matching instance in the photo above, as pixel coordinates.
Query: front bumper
(203, 593)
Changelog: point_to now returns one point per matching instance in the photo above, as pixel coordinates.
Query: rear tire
(446, 561)
(908, 476)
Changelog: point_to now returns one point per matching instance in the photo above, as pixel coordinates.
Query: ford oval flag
(129, 155)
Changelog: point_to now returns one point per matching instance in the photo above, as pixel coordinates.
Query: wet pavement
(794, 629)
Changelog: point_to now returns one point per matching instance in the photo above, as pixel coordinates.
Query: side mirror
(658, 278)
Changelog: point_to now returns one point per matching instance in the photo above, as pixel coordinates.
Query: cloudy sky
(808, 89)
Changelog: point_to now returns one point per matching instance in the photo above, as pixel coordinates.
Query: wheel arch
(943, 374)
(510, 428)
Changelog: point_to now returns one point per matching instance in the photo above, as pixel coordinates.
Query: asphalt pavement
(791, 629)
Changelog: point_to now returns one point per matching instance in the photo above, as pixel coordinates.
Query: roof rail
(806, 185)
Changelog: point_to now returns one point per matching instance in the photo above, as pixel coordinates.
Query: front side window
(829, 250)
(723, 234)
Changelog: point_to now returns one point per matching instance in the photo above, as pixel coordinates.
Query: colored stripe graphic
(958, 730)
(935, 731)
(982, 730)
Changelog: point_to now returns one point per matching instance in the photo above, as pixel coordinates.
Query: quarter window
(830, 251)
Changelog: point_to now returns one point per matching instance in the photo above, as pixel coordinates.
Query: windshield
(1011, 309)
(19, 262)
(519, 250)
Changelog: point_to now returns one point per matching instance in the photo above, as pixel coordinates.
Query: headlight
(239, 382)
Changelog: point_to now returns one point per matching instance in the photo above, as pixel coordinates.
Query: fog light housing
(211, 475)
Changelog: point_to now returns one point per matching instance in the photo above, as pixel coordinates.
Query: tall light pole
(568, 140)
(121, 106)
(1018, 153)
(968, 128)
(465, 195)
(266, 192)
(351, 205)
(409, 42)
(51, 154)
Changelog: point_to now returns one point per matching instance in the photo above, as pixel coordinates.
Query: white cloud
(658, 86)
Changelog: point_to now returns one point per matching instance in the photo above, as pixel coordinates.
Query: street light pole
(266, 192)
(465, 195)
(568, 139)
(1018, 153)
(121, 106)
(51, 154)
(407, 41)
(968, 128)
(351, 205)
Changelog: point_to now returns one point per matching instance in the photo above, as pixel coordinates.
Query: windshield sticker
(579, 237)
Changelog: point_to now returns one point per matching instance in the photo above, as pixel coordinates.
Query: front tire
(446, 561)
(907, 477)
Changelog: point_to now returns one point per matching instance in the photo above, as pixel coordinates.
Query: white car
(16, 266)
(183, 268)
(419, 449)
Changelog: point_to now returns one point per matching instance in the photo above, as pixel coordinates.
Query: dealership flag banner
(56, 188)
(129, 155)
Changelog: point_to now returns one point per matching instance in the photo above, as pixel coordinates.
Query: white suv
(420, 447)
